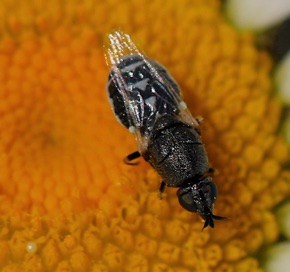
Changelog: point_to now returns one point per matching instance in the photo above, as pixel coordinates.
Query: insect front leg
(199, 120)
(212, 171)
(209, 173)
(131, 157)
(162, 189)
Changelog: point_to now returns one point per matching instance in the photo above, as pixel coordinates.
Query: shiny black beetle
(147, 101)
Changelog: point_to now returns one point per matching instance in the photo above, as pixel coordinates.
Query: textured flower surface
(68, 203)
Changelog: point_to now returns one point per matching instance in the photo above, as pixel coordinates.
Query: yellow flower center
(68, 203)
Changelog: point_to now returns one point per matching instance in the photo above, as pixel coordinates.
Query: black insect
(147, 101)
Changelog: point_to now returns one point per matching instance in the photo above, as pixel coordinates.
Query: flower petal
(283, 215)
(257, 14)
(277, 259)
(282, 80)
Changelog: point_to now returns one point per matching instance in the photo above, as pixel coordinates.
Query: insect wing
(142, 90)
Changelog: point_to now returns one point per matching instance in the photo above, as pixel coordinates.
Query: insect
(147, 101)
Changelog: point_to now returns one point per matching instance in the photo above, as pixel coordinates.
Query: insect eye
(187, 202)
(213, 191)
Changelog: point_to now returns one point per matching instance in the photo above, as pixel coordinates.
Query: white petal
(282, 79)
(278, 258)
(283, 215)
(257, 14)
(286, 134)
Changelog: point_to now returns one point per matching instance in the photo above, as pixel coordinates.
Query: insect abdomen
(136, 76)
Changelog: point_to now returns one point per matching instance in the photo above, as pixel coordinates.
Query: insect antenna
(216, 217)
(209, 220)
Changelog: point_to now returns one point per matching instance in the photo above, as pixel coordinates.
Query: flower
(283, 216)
(277, 257)
(257, 14)
(67, 201)
(281, 78)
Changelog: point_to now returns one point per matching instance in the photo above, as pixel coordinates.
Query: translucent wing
(140, 90)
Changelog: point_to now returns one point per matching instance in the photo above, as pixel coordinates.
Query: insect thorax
(176, 151)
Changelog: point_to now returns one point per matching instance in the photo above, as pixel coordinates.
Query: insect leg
(212, 171)
(162, 189)
(131, 157)
(199, 119)
(209, 173)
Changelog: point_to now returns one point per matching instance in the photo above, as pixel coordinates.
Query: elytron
(147, 101)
